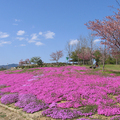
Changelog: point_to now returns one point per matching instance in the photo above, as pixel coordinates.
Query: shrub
(22, 67)
(62, 64)
(52, 65)
(45, 65)
(89, 108)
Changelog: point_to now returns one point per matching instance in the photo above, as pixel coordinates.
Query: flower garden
(66, 92)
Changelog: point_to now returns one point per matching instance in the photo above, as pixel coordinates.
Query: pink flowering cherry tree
(56, 56)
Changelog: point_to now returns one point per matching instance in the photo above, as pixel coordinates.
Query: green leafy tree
(2, 68)
(36, 60)
(74, 56)
(110, 60)
(40, 63)
(97, 55)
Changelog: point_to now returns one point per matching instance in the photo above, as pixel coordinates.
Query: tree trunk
(116, 61)
(83, 61)
(57, 63)
(78, 60)
(91, 62)
(103, 65)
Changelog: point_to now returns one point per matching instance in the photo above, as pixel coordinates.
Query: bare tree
(91, 38)
(104, 54)
(27, 61)
(82, 44)
(21, 62)
(77, 48)
(56, 56)
(69, 48)
(116, 56)
(93, 47)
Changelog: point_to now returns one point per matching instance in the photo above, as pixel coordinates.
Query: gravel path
(6, 114)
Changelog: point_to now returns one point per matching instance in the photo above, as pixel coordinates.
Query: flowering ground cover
(62, 92)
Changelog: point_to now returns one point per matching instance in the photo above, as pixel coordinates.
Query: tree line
(85, 50)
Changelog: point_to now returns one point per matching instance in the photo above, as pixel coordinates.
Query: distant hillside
(8, 66)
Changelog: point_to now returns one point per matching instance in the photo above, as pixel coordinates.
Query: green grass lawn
(107, 67)
(111, 67)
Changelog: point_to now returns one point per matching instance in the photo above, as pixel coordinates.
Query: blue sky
(30, 28)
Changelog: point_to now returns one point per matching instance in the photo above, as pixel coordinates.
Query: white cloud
(34, 36)
(20, 32)
(22, 45)
(17, 20)
(40, 33)
(49, 35)
(3, 35)
(4, 42)
(96, 40)
(38, 43)
(30, 41)
(73, 42)
(20, 38)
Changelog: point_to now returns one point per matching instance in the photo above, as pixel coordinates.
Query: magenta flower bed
(10, 98)
(55, 84)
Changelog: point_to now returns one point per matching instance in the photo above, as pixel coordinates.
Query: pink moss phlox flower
(1, 93)
(63, 83)
(25, 99)
(83, 119)
(118, 98)
(108, 111)
(2, 85)
(53, 105)
(34, 107)
(86, 119)
(112, 74)
(9, 98)
(115, 118)
(63, 113)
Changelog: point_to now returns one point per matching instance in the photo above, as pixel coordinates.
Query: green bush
(2, 69)
(110, 60)
(22, 67)
(89, 108)
(62, 64)
(51, 65)
(46, 65)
